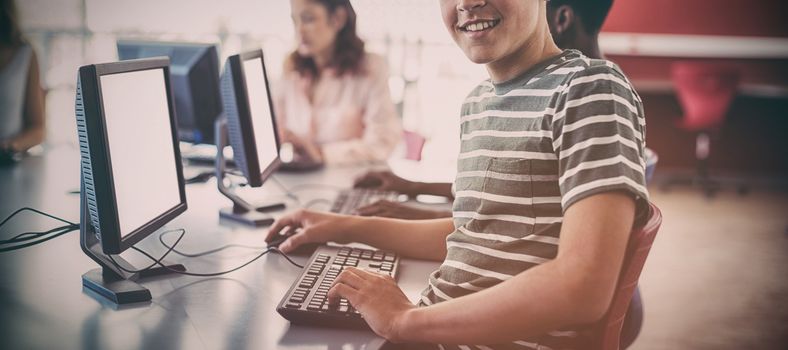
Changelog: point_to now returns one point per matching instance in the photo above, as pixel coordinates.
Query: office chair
(607, 331)
(705, 92)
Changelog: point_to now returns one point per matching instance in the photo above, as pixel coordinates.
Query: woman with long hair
(21, 96)
(333, 103)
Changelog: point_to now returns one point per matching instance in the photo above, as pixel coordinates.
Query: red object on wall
(700, 17)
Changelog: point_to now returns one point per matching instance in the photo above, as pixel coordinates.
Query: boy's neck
(522, 60)
(589, 46)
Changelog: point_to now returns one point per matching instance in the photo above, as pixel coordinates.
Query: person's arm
(420, 239)
(388, 181)
(575, 288)
(382, 126)
(34, 119)
(397, 210)
(434, 188)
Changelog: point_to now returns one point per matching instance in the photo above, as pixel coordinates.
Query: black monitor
(132, 179)
(194, 75)
(251, 127)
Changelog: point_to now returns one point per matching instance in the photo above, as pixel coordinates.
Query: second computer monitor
(194, 71)
(250, 116)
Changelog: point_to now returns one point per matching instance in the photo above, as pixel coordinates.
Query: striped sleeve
(599, 137)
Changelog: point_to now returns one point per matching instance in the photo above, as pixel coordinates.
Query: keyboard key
(293, 305)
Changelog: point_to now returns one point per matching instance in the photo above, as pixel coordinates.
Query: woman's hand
(303, 147)
(377, 297)
(304, 226)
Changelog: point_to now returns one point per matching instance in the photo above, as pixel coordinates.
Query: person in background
(333, 103)
(22, 121)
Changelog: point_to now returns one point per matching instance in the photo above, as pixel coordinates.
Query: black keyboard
(347, 201)
(307, 300)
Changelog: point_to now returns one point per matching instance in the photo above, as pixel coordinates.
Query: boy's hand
(377, 297)
(396, 210)
(305, 226)
(384, 180)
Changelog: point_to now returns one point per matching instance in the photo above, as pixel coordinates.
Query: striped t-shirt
(567, 129)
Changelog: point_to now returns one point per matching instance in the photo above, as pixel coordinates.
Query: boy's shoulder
(580, 66)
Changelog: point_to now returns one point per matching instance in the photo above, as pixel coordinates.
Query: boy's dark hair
(10, 33)
(349, 50)
(593, 12)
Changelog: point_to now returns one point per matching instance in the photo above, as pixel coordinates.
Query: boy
(574, 24)
(552, 151)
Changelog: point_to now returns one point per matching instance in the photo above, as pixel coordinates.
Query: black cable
(19, 238)
(207, 252)
(199, 178)
(287, 192)
(224, 247)
(201, 274)
(36, 211)
(58, 234)
(213, 274)
(156, 262)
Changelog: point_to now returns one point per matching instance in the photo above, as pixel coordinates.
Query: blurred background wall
(646, 37)
(430, 76)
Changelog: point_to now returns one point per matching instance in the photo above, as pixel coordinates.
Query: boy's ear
(339, 18)
(563, 18)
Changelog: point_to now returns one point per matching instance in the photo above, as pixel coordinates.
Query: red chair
(705, 92)
(607, 331)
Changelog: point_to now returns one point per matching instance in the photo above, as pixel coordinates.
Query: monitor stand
(242, 211)
(109, 281)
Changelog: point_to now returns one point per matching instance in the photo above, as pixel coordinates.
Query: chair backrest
(414, 143)
(705, 91)
(608, 330)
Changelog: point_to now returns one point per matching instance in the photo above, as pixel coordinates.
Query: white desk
(43, 305)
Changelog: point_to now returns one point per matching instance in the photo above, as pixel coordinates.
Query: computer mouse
(302, 250)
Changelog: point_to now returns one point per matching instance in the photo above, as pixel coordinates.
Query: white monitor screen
(262, 122)
(139, 137)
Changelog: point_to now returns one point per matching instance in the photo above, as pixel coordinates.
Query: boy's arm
(420, 239)
(574, 288)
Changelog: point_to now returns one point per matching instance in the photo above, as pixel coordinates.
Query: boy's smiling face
(491, 30)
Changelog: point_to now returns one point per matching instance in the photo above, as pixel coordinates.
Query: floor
(717, 275)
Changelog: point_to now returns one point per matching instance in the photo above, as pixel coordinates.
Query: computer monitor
(132, 179)
(194, 75)
(252, 130)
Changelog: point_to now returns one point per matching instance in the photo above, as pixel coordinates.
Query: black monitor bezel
(111, 240)
(245, 117)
